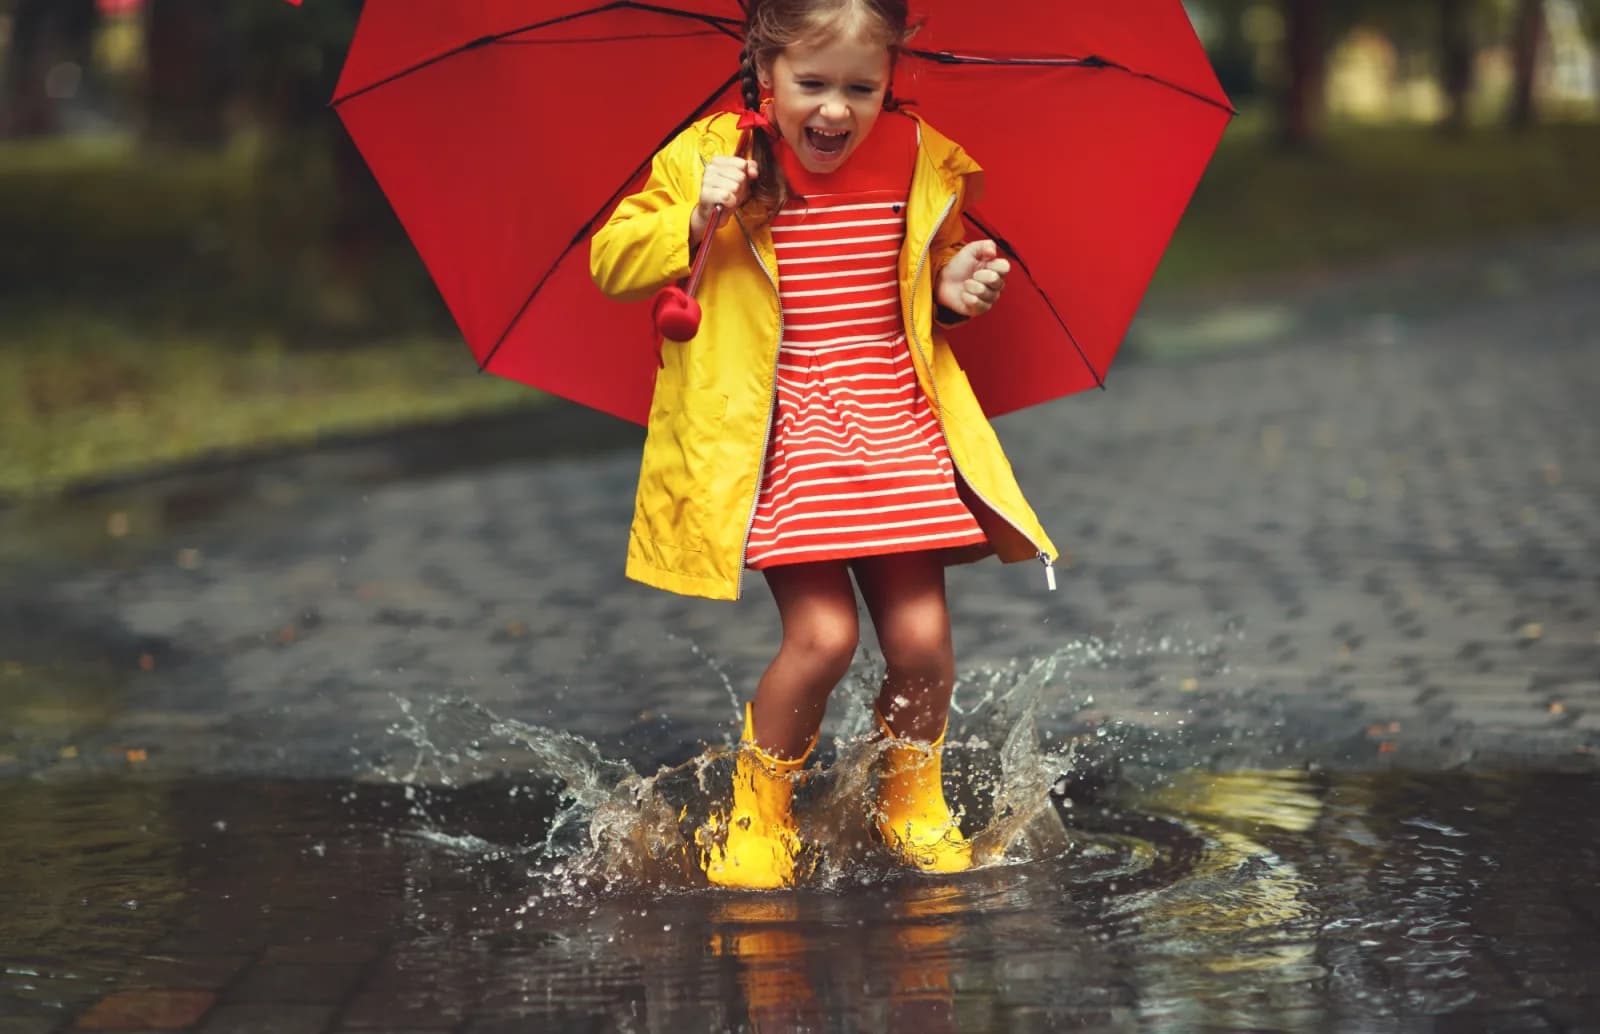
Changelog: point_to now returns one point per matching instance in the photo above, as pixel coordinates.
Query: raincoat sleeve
(645, 244)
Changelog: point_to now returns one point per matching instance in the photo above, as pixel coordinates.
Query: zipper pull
(1049, 571)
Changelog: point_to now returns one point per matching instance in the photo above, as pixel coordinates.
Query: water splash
(606, 825)
(716, 669)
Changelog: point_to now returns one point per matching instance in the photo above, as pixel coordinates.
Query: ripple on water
(496, 870)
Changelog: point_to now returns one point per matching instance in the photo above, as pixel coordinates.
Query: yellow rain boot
(913, 817)
(762, 840)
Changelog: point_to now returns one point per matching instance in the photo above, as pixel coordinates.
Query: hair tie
(749, 119)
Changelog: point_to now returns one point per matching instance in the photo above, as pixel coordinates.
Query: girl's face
(826, 97)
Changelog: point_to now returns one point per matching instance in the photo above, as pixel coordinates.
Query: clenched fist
(971, 283)
(727, 183)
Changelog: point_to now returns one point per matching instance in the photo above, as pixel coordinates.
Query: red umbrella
(503, 132)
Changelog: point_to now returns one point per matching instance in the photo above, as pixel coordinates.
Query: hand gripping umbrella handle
(675, 310)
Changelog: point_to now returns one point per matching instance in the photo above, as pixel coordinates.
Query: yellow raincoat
(706, 441)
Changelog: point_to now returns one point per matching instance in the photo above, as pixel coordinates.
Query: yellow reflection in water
(776, 951)
(1282, 799)
(760, 932)
(1243, 908)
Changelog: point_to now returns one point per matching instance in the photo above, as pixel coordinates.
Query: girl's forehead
(840, 51)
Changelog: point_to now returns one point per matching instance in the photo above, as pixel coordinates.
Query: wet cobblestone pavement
(1383, 524)
(1351, 902)
(1368, 550)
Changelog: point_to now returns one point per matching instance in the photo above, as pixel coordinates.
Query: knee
(827, 642)
(919, 648)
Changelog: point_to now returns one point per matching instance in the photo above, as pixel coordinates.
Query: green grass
(1371, 192)
(86, 399)
(177, 306)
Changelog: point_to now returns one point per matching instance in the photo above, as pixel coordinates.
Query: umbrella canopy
(504, 132)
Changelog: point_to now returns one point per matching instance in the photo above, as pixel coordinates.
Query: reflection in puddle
(1226, 900)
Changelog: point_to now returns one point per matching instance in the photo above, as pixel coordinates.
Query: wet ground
(369, 739)
(1246, 900)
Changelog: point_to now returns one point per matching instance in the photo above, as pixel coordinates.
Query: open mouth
(827, 143)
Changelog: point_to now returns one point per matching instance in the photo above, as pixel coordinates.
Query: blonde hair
(772, 26)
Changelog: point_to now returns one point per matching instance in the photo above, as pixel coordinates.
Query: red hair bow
(756, 120)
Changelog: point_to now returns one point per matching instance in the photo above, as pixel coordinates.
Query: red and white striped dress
(857, 464)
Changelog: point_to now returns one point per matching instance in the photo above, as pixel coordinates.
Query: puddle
(420, 899)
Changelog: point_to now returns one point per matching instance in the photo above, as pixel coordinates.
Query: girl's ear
(764, 74)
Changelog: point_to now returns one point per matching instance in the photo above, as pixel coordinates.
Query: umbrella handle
(675, 311)
(705, 249)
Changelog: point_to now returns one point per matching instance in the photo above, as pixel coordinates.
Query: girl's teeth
(826, 142)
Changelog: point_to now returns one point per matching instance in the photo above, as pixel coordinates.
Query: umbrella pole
(676, 313)
(742, 151)
(699, 266)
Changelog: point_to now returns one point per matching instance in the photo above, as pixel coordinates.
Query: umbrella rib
(634, 37)
(1005, 245)
(584, 230)
(945, 57)
(727, 26)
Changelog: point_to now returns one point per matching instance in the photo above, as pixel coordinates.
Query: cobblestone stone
(26, 1025)
(268, 1018)
(147, 1009)
(320, 984)
(184, 971)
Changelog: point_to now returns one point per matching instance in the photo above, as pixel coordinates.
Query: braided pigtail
(768, 187)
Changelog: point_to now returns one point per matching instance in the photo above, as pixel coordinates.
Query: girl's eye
(862, 90)
(810, 84)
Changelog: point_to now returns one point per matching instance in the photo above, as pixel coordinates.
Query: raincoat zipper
(772, 403)
(916, 279)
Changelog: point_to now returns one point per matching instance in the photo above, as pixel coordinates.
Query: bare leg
(818, 607)
(905, 596)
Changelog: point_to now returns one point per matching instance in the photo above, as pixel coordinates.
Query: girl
(818, 426)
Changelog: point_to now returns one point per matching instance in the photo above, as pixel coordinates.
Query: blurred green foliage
(200, 237)
(213, 269)
(1369, 192)
(84, 397)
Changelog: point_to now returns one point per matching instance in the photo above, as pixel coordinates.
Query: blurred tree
(1439, 38)
(1457, 57)
(1305, 51)
(291, 57)
(187, 65)
(1227, 45)
(47, 60)
(318, 197)
(1527, 33)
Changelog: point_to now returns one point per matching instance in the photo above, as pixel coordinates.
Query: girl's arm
(645, 244)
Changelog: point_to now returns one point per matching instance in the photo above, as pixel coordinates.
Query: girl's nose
(835, 107)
